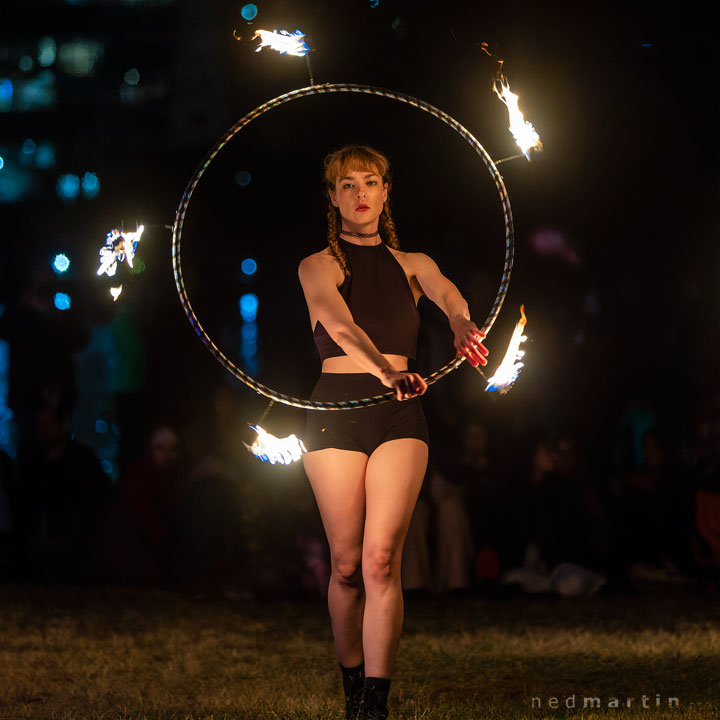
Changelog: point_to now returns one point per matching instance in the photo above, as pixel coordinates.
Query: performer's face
(360, 196)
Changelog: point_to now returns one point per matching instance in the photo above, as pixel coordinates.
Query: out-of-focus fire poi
(269, 448)
(286, 43)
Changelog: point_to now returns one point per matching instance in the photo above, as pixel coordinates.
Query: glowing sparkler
(524, 133)
(509, 368)
(286, 43)
(270, 449)
(119, 246)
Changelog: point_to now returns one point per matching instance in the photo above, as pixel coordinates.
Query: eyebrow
(366, 177)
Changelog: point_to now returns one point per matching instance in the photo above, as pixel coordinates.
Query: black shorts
(364, 428)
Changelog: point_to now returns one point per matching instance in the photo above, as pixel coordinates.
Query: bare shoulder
(413, 262)
(320, 265)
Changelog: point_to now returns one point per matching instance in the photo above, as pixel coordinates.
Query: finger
(478, 353)
(470, 357)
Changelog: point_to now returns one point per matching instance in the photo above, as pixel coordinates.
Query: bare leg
(393, 480)
(337, 478)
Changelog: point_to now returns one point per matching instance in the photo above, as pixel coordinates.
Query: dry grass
(104, 652)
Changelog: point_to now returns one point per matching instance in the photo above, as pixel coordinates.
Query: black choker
(359, 235)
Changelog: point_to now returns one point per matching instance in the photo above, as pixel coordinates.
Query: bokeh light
(132, 76)
(6, 94)
(249, 11)
(68, 186)
(248, 307)
(45, 155)
(90, 185)
(243, 178)
(62, 301)
(47, 52)
(2, 162)
(248, 266)
(28, 147)
(26, 63)
(61, 263)
(101, 427)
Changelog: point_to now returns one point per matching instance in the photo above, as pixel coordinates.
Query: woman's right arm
(325, 303)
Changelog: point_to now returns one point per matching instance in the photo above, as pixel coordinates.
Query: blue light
(248, 307)
(62, 301)
(45, 155)
(249, 11)
(28, 147)
(248, 266)
(101, 427)
(90, 185)
(243, 178)
(68, 186)
(132, 76)
(6, 94)
(47, 52)
(26, 63)
(249, 332)
(2, 162)
(61, 263)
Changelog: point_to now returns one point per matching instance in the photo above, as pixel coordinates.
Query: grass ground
(109, 652)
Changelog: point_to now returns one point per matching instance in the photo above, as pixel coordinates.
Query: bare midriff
(345, 364)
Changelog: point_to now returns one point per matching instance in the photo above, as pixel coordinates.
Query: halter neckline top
(378, 294)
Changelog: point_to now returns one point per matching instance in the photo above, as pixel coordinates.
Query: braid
(387, 225)
(333, 239)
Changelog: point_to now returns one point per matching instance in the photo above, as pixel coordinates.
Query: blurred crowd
(546, 512)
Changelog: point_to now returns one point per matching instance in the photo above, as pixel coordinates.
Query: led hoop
(253, 115)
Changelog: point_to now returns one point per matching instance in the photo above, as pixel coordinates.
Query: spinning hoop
(253, 115)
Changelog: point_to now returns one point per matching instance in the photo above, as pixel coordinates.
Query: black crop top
(380, 300)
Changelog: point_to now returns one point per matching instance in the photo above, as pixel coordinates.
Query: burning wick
(270, 449)
(509, 369)
(119, 246)
(286, 43)
(524, 133)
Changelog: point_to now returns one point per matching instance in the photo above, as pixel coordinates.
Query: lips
(362, 207)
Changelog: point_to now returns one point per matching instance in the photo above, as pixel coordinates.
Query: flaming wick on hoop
(509, 369)
(119, 246)
(525, 135)
(269, 448)
(286, 43)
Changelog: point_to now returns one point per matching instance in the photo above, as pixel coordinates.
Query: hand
(468, 341)
(405, 384)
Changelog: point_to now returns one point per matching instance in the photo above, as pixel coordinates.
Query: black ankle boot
(371, 707)
(352, 704)
(353, 681)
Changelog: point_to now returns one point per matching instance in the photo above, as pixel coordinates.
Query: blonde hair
(337, 164)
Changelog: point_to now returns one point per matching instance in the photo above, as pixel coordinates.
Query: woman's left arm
(444, 293)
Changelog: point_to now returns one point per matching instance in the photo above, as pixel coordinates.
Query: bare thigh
(393, 479)
(337, 478)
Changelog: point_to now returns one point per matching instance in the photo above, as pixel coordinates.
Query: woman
(366, 466)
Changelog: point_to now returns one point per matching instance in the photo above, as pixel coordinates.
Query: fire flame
(270, 449)
(286, 43)
(524, 133)
(509, 369)
(119, 246)
(115, 292)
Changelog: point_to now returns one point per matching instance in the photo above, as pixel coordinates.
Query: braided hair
(338, 163)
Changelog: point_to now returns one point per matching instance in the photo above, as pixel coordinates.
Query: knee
(348, 571)
(381, 565)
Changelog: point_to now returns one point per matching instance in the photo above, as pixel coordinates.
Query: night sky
(622, 94)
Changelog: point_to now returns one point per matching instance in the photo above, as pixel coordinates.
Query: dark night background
(615, 221)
